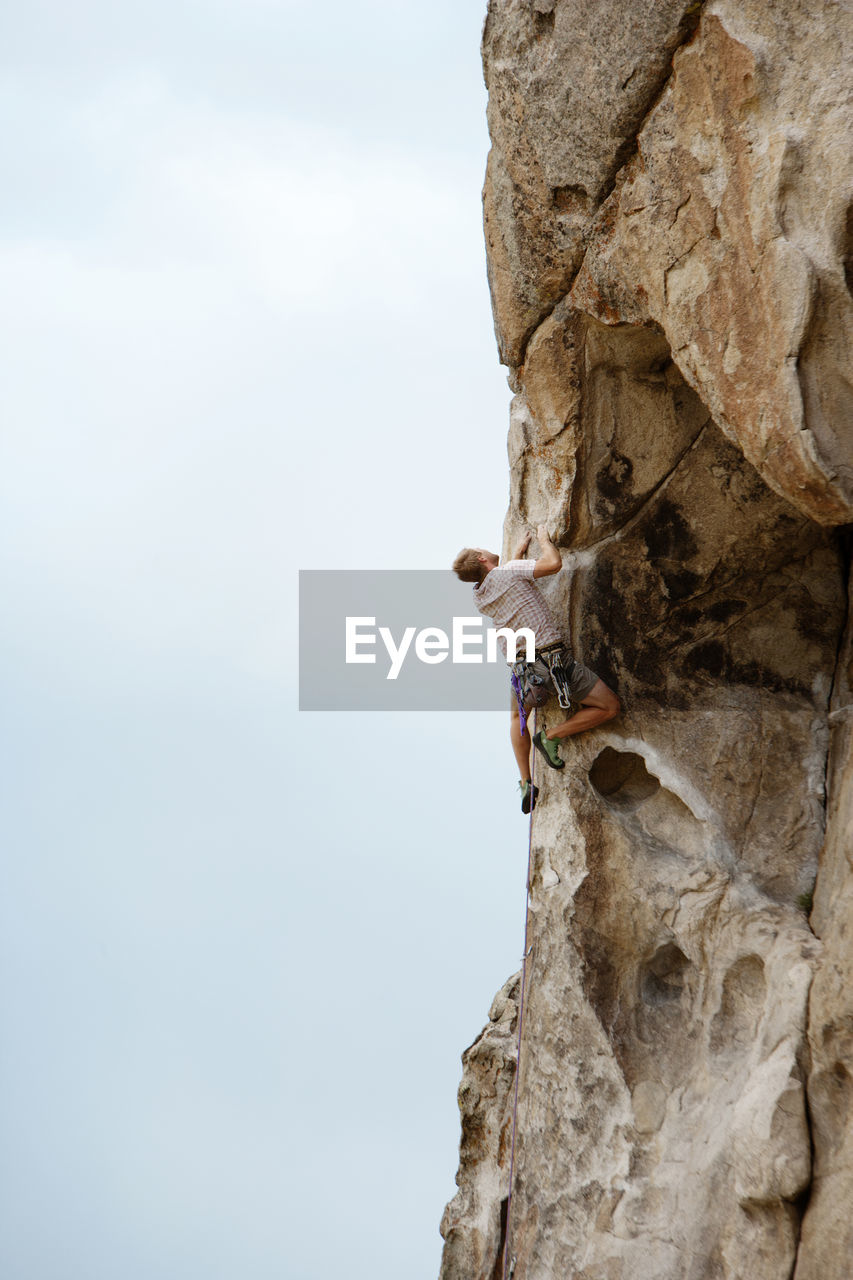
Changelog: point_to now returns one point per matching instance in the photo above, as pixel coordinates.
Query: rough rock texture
(826, 1250)
(729, 226)
(569, 84)
(485, 1097)
(667, 209)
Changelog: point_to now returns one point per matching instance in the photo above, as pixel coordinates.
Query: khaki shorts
(537, 685)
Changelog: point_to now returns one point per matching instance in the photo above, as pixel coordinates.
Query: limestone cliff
(669, 223)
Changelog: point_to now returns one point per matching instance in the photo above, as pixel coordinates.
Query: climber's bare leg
(599, 705)
(520, 743)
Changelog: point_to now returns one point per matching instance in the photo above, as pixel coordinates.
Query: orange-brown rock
(569, 85)
(668, 226)
(730, 229)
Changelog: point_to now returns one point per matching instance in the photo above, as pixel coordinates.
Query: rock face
(668, 219)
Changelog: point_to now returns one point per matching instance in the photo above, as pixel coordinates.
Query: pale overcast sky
(245, 330)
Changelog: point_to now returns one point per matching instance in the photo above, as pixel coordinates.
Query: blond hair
(467, 566)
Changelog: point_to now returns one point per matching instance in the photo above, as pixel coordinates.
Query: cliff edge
(669, 223)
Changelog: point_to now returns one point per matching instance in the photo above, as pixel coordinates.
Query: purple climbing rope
(522, 718)
(506, 1272)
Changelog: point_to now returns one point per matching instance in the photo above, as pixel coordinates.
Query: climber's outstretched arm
(550, 560)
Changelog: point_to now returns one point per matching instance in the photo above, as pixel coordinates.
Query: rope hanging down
(507, 1270)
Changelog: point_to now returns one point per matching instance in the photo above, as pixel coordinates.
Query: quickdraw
(525, 679)
(554, 660)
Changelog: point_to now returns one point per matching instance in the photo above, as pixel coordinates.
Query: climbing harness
(509, 1267)
(530, 680)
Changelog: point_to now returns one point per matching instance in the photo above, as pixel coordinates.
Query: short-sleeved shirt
(509, 596)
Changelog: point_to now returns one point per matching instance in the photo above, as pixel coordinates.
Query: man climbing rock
(507, 594)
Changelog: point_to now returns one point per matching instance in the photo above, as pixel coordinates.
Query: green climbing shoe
(549, 749)
(528, 795)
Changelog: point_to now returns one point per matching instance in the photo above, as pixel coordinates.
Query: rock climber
(507, 594)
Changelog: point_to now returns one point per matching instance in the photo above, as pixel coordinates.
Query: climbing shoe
(548, 749)
(528, 795)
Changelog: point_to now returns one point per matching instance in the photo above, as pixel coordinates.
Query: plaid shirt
(509, 596)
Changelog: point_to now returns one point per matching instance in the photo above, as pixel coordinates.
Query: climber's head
(473, 563)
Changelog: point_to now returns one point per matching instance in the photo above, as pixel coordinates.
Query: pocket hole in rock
(622, 779)
(663, 978)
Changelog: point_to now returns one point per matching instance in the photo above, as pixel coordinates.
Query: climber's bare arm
(521, 550)
(550, 561)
